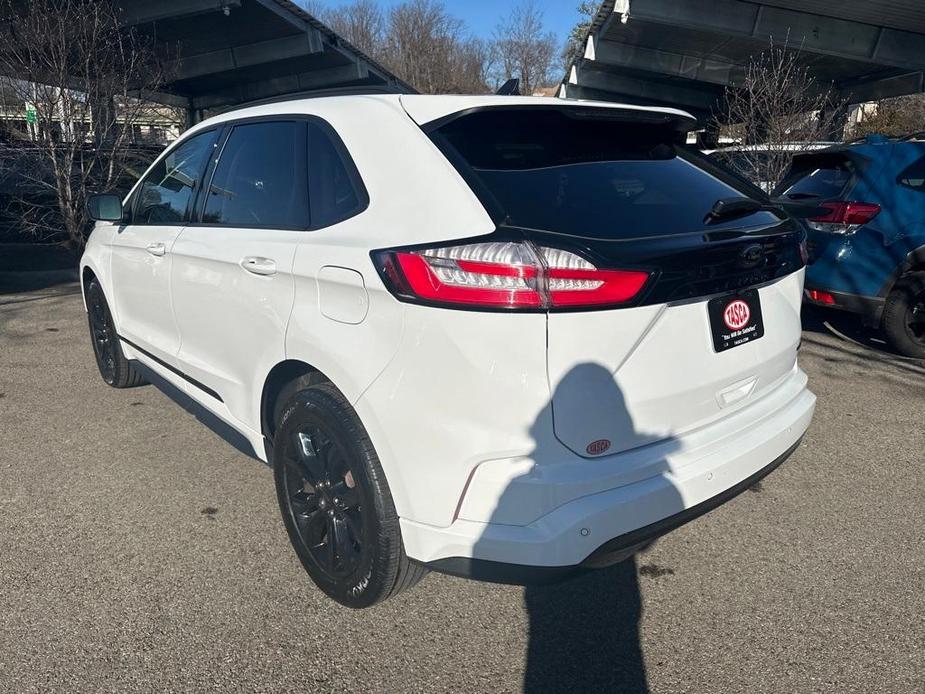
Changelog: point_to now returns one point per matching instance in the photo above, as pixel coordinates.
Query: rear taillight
(505, 275)
(843, 217)
(820, 297)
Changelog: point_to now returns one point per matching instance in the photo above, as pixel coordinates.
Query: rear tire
(115, 369)
(336, 503)
(904, 316)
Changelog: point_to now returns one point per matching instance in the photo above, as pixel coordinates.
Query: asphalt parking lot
(140, 552)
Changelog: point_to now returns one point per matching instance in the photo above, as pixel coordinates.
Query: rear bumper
(694, 474)
(611, 552)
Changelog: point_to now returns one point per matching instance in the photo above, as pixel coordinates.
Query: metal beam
(810, 32)
(587, 74)
(145, 11)
(331, 42)
(664, 62)
(289, 84)
(197, 65)
(883, 88)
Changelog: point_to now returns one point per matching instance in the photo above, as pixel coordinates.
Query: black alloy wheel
(115, 369)
(323, 501)
(904, 315)
(102, 334)
(915, 318)
(335, 501)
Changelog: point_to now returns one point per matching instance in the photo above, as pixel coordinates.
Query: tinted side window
(335, 188)
(260, 178)
(914, 176)
(166, 191)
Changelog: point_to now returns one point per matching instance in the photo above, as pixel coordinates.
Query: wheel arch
(279, 377)
(914, 262)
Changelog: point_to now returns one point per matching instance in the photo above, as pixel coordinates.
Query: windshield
(590, 177)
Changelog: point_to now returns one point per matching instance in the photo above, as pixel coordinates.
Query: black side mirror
(105, 208)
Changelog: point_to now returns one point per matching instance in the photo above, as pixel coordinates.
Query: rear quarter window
(914, 176)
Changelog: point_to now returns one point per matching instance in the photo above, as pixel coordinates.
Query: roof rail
(359, 90)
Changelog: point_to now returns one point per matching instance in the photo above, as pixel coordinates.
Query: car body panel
(660, 374)
(461, 406)
(865, 264)
(232, 322)
(142, 300)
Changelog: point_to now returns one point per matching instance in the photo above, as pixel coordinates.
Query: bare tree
(523, 49)
(430, 48)
(778, 110)
(361, 22)
(81, 77)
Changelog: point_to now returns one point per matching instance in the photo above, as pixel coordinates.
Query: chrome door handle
(259, 266)
(158, 249)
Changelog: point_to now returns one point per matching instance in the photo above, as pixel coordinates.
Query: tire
(904, 316)
(116, 370)
(346, 536)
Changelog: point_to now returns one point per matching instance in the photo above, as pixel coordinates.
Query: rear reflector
(844, 217)
(506, 274)
(820, 297)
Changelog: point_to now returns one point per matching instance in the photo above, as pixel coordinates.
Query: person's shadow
(584, 632)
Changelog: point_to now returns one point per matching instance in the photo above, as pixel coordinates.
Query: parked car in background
(502, 337)
(867, 252)
(762, 164)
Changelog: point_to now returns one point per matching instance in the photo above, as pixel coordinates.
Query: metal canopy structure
(685, 52)
(232, 52)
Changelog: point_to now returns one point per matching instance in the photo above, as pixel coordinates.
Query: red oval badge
(598, 447)
(736, 314)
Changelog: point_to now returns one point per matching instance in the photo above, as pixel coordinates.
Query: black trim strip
(611, 552)
(192, 381)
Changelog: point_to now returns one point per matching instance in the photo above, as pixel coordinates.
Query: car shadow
(224, 431)
(849, 329)
(584, 633)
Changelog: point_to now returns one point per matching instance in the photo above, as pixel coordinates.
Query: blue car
(867, 237)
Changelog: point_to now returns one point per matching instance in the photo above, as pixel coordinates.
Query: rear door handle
(158, 249)
(259, 266)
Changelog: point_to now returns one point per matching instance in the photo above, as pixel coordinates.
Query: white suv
(502, 337)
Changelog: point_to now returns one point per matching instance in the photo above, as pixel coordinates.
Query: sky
(482, 16)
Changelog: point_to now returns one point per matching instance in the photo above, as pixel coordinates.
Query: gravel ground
(140, 552)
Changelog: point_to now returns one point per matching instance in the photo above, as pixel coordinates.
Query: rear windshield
(591, 177)
(818, 178)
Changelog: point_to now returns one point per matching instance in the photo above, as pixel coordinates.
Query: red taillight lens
(469, 282)
(573, 281)
(511, 275)
(844, 217)
(820, 297)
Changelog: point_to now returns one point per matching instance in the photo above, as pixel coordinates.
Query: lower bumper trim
(611, 552)
(871, 306)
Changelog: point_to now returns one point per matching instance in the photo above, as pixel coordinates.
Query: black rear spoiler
(681, 123)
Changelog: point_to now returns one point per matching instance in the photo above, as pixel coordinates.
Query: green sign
(31, 118)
